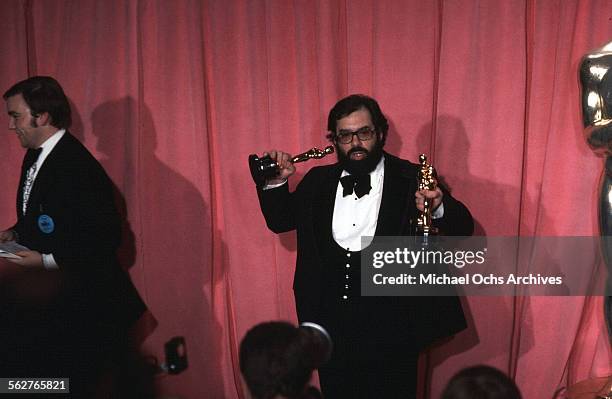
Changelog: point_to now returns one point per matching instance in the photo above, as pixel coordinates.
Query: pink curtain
(172, 96)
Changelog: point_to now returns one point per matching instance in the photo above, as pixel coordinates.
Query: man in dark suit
(78, 319)
(367, 193)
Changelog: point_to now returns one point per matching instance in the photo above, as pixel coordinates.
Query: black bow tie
(31, 157)
(360, 183)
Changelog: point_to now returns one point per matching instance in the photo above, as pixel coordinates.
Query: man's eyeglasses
(364, 134)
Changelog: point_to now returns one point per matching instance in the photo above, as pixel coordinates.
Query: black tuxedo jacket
(73, 191)
(309, 210)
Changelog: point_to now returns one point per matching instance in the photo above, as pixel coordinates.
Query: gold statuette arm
(313, 153)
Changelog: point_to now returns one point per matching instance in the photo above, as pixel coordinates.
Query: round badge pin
(46, 224)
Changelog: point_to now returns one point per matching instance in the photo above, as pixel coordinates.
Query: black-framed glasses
(364, 134)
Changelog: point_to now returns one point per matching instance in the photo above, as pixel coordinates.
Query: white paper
(9, 248)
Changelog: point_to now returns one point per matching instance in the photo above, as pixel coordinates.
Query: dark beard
(364, 166)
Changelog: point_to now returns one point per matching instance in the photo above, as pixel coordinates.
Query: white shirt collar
(49, 145)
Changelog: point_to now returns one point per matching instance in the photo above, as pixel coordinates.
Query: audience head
(277, 359)
(481, 382)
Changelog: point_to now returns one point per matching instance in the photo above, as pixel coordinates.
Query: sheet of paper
(9, 248)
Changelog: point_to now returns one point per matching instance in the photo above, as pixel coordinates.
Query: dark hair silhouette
(277, 358)
(44, 94)
(481, 382)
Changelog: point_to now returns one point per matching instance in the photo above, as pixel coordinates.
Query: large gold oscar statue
(596, 85)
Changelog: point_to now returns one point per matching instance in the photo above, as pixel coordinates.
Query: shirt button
(346, 287)
(348, 255)
(347, 276)
(344, 297)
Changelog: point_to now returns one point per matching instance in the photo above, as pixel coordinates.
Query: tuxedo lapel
(44, 178)
(323, 202)
(397, 204)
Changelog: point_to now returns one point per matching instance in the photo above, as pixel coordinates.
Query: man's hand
(29, 259)
(7, 235)
(434, 196)
(286, 167)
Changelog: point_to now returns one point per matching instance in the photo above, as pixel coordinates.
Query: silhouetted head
(277, 359)
(481, 382)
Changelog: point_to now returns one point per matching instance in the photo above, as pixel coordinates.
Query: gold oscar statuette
(265, 168)
(595, 74)
(426, 181)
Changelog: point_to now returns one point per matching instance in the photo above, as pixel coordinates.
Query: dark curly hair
(352, 103)
(44, 94)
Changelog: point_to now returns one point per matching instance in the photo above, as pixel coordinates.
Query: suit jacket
(309, 210)
(73, 191)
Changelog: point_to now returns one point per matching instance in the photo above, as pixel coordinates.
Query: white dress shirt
(353, 217)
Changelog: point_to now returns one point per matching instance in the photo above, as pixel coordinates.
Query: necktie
(30, 166)
(360, 184)
(31, 157)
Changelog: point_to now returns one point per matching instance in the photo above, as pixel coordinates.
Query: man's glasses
(364, 134)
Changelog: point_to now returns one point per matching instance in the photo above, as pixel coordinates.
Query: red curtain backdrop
(172, 96)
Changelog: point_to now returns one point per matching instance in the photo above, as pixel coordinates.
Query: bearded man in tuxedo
(368, 192)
